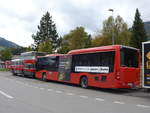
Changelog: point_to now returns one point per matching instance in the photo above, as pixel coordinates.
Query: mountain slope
(7, 44)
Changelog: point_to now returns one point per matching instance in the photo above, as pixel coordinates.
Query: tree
(75, 39)
(78, 38)
(17, 51)
(5, 55)
(121, 32)
(88, 42)
(108, 27)
(138, 32)
(30, 48)
(113, 28)
(45, 47)
(117, 29)
(101, 40)
(46, 31)
(64, 46)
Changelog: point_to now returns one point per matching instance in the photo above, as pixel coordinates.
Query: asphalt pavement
(26, 95)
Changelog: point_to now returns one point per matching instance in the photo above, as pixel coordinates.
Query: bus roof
(95, 49)
(31, 53)
(98, 49)
(50, 55)
(15, 60)
(54, 54)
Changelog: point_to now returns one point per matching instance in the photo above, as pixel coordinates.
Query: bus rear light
(118, 77)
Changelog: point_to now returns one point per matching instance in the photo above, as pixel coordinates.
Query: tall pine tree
(138, 32)
(46, 32)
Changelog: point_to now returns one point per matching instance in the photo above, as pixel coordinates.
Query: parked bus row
(114, 66)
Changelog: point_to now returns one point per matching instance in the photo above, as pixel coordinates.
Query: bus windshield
(129, 57)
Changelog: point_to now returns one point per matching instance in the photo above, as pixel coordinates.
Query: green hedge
(3, 69)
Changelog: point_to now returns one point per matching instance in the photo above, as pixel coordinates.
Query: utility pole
(113, 42)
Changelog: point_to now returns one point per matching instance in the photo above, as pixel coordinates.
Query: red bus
(47, 67)
(114, 66)
(17, 66)
(29, 67)
(8, 64)
(25, 64)
(29, 61)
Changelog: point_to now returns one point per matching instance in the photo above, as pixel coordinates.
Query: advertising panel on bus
(146, 64)
(64, 67)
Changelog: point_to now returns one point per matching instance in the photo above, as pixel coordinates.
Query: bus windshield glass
(129, 57)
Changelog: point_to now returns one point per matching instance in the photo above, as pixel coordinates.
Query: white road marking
(118, 102)
(41, 88)
(50, 90)
(82, 96)
(59, 92)
(144, 106)
(70, 94)
(99, 99)
(6, 95)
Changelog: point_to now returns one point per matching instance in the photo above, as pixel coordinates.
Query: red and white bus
(29, 67)
(17, 66)
(114, 66)
(25, 64)
(29, 61)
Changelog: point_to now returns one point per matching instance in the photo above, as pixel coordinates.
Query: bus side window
(108, 60)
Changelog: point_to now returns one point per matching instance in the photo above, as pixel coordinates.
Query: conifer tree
(138, 32)
(46, 32)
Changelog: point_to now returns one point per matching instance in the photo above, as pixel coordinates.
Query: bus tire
(44, 77)
(84, 82)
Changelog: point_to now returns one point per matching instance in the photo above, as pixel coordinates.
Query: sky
(19, 18)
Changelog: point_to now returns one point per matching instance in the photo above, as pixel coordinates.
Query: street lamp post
(112, 27)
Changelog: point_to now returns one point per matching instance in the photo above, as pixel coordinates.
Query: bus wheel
(44, 77)
(84, 82)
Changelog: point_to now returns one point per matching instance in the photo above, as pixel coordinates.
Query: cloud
(19, 18)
